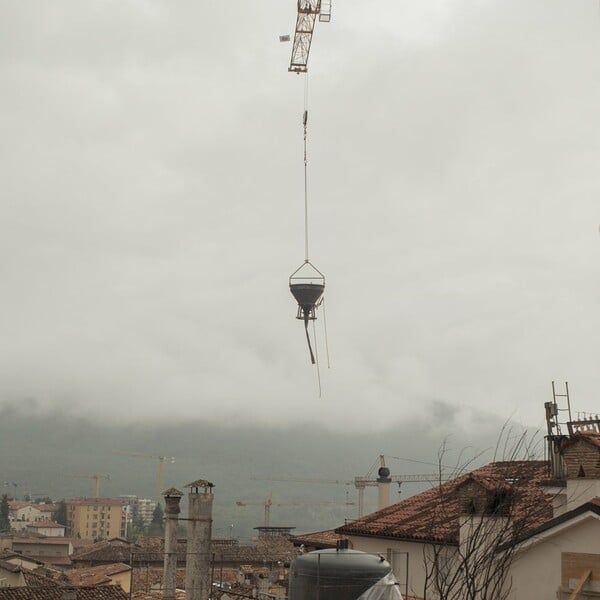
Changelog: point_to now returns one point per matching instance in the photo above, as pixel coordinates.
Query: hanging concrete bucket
(307, 295)
(307, 285)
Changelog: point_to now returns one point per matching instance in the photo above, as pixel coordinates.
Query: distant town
(509, 518)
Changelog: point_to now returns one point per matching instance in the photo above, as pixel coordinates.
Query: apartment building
(96, 518)
(143, 507)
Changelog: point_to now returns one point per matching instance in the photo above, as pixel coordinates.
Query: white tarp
(385, 589)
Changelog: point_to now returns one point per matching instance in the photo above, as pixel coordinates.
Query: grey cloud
(152, 208)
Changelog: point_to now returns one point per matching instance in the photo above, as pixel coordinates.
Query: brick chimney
(198, 556)
(172, 498)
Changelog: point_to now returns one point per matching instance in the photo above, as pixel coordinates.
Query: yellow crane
(95, 477)
(268, 503)
(161, 468)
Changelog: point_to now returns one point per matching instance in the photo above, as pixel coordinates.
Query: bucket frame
(307, 275)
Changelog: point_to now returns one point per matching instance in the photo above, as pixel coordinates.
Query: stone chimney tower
(172, 499)
(199, 525)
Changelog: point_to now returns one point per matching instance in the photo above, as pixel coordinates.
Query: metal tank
(335, 574)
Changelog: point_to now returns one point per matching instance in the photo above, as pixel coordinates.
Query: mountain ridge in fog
(40, 452)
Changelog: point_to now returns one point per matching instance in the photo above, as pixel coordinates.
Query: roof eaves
(399, 538)
(582, 509)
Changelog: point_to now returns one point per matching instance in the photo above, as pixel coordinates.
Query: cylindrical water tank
(335, 574)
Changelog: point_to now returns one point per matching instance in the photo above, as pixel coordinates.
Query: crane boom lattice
(305, 24)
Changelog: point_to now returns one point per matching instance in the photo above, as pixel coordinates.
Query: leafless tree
(478, 518)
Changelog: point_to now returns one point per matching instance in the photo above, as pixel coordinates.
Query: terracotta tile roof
(109, 551)
(35, 579)
(592, 506)
(16, 557)
(226, 574)
(57, 561)
(144, 579)
(105, 592)
(158, 595)
(270, 549)
(80, 543)
(47, 507)
(46, 525)
(318, 539)
(101, 574)
(8, 566)
(144, 550)
(433, 515)
(151, 550)
(17, 504)
(489, 483)
(47, 571)
(22, 533)
(48, 541)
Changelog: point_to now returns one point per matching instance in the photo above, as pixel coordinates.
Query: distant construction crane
(268, 503)
(160, 487)
(382, 482)
(305, 25)
(95, 477)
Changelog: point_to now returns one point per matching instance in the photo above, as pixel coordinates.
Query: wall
(20, 517)
(41, 550)
(47, 531)
(395, 551)
(581, 454)
(10, 579)
(123, 579)
(580, 491)
(536, 571)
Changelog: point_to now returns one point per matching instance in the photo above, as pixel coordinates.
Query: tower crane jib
(305, 25)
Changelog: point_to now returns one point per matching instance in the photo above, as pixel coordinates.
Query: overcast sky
(151, 202)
